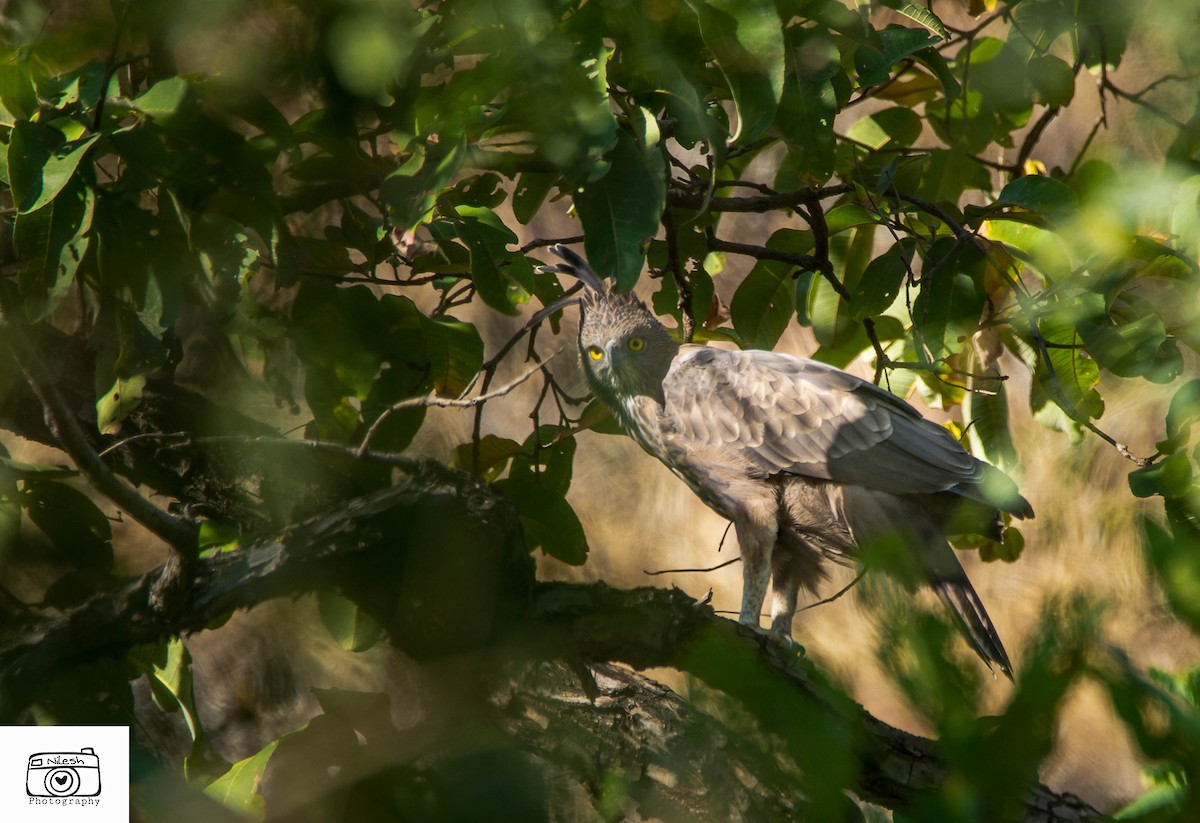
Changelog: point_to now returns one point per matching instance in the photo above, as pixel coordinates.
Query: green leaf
(620, 211)
(1183, 413)
(807, 110)
(764, 302)
(502, 278)
(494, 454)
(1125, 349)
(12, 470)
(746, 38)
(53, 241)
(40, 164)
(1170, 478)
(881, 280)
(455, 353)
(986, 416)
(529, 193)
(874, 67)
(1176, 560)
(1039, 193)
(351, 628)
(411, 191)
(170, 102)
(72, 522)
(237, 789)
(548, 519)
(898, 124)
(948, 306)
(1052, 80)
(921, 15)
(127, 353)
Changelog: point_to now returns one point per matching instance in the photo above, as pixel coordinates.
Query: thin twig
(730, 562)
(446, 403)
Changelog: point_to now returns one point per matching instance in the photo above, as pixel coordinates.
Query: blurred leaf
(127, 352)
(1052, 80)
(1170, 477)
(1176, 560)
(237, 789)
(455, 353)
(494, 454)
(72, 522)
(746, 38)
(548, 519)
(620, 211)
(412, 189)
(11, 470)
(1183, 413)
(351, 628)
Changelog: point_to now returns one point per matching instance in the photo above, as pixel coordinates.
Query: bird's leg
(756, 539)
(785, 586)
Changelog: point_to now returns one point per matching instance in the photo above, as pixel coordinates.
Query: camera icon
(63, 774)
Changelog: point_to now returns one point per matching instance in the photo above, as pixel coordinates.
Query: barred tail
(962, 601)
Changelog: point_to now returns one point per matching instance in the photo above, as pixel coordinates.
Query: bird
(808, 462)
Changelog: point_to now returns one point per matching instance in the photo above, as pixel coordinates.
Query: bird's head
(625, 350)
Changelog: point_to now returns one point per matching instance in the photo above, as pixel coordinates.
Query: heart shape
(62, 779)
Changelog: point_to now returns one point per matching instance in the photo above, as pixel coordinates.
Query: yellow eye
(595, 353)
(636, 344)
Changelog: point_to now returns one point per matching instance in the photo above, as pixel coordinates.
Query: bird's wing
(797, 416)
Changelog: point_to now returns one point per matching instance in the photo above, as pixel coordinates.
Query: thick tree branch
(375, 548)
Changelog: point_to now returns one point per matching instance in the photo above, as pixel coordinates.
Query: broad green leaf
(237, 789)
(746, 38)
(351, 628)
(547, 457)
(1182, 415)
(881, 280)
(170, 102)
(949, 304)
(1052, 80)
(1176, 560)
(899, 124)
(1042, 248)
(494, 454)
(806, 115)
(874, 66)
(764, 302)
(72, 522)
(548, 519)
(529, 194)
(985, 411)
(503, 278)
(11, 470)
(455, 353)
(1170, 477)
(411, 191)
(40, 164)
(1039, 193)
(53, 241)
(620, 211)
(919, 14)
(1125, 349)
(127, 353)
